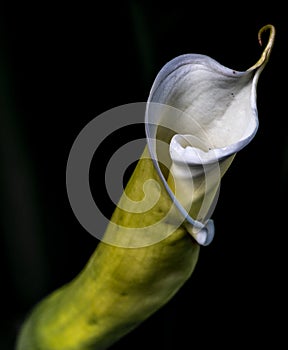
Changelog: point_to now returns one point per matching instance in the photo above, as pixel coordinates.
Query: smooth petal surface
(212, 115)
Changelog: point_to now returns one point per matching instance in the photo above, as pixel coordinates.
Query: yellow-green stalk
(119, 287)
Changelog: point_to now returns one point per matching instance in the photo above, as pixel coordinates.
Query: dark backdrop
(63, 65)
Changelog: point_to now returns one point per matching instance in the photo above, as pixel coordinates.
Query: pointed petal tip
(267, 50)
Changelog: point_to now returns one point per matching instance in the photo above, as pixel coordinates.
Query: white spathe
(205, 113)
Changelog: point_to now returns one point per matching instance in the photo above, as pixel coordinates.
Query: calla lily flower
(212, 115)
(198, 116)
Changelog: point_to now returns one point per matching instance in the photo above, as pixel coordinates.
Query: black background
(63, 65)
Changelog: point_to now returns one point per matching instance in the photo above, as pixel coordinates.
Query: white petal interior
(217, 105)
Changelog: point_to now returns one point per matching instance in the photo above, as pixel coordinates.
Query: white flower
(204, 113)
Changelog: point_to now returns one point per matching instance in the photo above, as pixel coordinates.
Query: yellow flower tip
(271, 39)
(266, 52)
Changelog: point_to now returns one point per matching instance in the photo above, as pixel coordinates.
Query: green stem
(119, 287)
